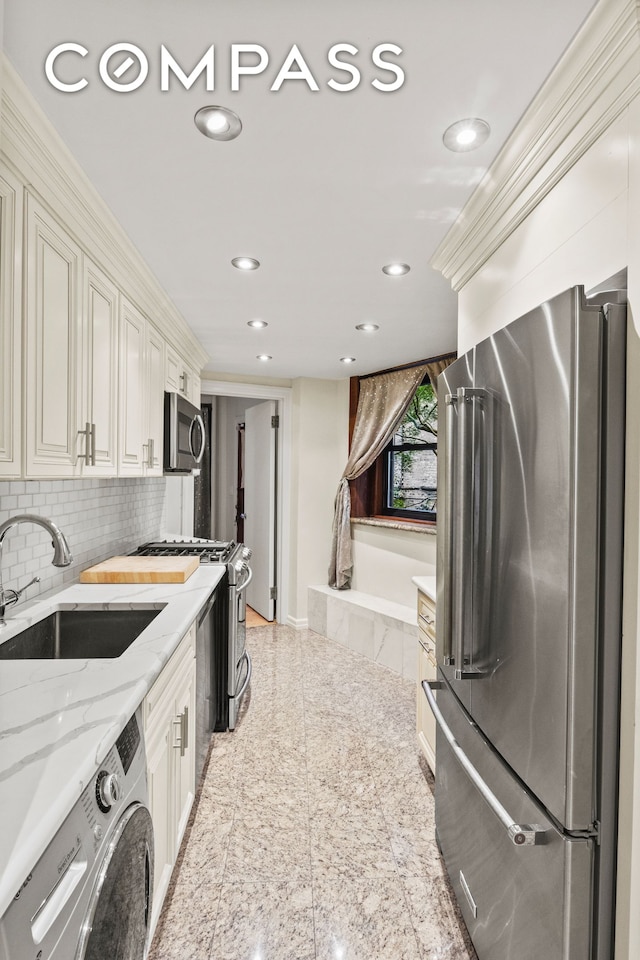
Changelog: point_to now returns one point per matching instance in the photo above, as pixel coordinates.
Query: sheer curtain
(382, 403)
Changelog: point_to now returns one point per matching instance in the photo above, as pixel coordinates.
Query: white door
(260, 434)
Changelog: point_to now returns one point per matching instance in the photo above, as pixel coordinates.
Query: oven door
(239, 658)
(184, 435)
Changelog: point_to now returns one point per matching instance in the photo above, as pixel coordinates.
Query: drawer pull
(522, 835)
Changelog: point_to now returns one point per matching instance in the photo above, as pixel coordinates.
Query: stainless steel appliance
(529, 630)
(184, 435)
(89, 895)
(230, 672)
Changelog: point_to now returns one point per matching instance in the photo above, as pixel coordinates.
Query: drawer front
(164, 687)
(427, 616)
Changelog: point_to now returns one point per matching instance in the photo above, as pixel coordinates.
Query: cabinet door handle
(150, 460)
(93, 444)
(182, 741)
(87, 455)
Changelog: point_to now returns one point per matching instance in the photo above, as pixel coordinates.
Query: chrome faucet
(61, 554)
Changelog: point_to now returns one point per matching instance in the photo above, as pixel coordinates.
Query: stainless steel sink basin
(79, 634)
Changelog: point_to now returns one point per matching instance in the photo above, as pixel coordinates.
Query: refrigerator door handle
(520, 834)
(462, 540)
(466, 574)
(444, 617)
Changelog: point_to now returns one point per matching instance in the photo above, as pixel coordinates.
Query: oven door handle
(240, 587)
(245, 656)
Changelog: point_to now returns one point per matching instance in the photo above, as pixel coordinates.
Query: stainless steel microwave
(184, 437)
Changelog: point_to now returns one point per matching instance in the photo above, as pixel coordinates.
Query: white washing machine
(89, 895)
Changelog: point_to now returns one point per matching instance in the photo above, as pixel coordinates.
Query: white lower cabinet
(427, 670)
(169, 719)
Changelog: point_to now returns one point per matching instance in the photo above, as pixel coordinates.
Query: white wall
(319, 454)
(385, 560)
(583, 231)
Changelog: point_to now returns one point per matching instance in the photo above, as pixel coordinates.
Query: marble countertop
(426, 585)
(59, 718)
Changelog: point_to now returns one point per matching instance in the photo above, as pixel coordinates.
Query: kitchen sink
(79, 633)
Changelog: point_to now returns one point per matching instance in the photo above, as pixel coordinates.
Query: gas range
(209, 551)
(223, 633)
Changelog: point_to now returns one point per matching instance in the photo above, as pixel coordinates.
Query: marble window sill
(393, 523)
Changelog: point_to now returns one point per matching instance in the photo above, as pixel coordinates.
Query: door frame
(258, 391)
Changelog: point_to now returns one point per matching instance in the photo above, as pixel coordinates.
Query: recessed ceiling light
(245, 263)
(367, 327)
(257, 324)
(264, 357)
(218, 123)
(396, 269)
(347, 359)
(466, 134)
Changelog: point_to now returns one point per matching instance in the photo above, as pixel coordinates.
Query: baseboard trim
(297, 624)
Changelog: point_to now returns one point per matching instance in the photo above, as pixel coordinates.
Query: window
(402, 483)
(410, 467)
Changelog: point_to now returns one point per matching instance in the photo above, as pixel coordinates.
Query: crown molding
(592, 84)
(34, 151)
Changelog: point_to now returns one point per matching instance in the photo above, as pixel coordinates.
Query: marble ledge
(393, 524)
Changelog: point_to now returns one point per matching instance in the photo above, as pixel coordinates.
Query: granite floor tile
(313, 835)
(261, 851)
(266, 920)
(363, 920)
(414, 846)
(205, 849)
(436, 920)
(188, 922)
(350, 846)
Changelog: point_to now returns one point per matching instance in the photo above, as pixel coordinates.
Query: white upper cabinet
(10, 325)
(181, 378)
(155, 350)
(142, 365)
(99, 415)
(132, 376)
(52, 335)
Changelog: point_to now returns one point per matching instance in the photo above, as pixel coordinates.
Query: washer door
(117, 922)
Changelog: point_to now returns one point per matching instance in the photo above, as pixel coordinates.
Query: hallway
(312, 836)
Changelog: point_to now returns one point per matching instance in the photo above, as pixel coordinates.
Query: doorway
(249, 483)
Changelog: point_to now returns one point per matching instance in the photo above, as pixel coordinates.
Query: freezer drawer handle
(521, 834)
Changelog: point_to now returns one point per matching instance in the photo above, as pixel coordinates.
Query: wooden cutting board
(141, 570)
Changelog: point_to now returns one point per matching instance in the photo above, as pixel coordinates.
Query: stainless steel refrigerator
(530, 496)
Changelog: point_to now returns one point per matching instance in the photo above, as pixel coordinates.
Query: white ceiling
(322, 187)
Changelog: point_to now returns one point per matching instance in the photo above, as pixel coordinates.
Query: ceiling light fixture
(367, 327)
(347, 359)
(264, 357)
(466, 135)
(218, 123)
(257, 324)
(245, 263)
(396, 269)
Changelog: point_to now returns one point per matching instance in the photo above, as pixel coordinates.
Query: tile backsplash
(98, 517)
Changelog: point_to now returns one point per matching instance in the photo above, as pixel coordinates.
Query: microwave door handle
(197, 456)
